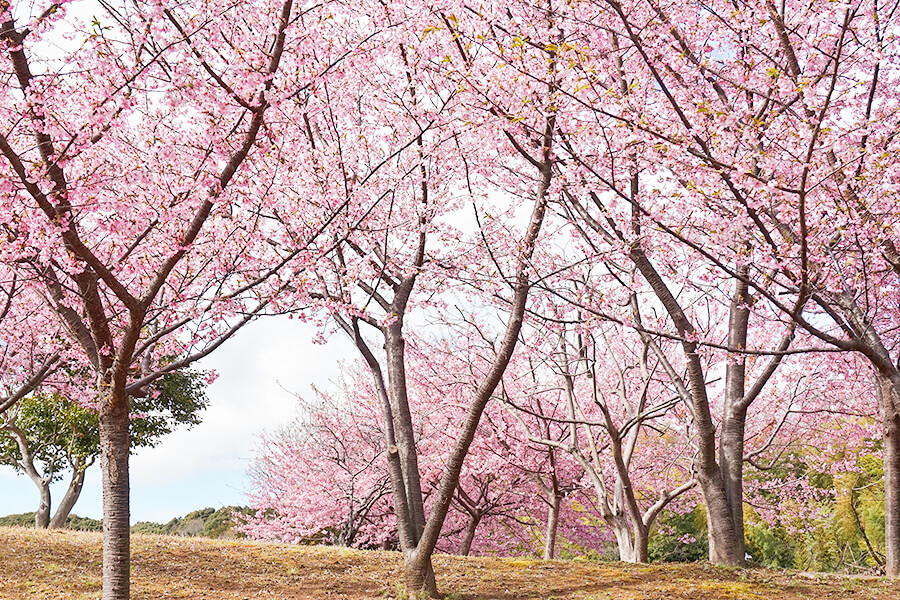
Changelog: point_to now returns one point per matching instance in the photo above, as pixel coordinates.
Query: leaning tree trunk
(114, 451)
(71, 497)
(404, 430)
(725, 547)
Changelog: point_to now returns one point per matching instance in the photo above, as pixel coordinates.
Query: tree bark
(418, 574)
(114, 453)
(552, 526)
(725, 548)
(624, 540)
(404, 430)
(73, 492)
(891, 436)
(42, 514)
(466, 545)
(733, 426)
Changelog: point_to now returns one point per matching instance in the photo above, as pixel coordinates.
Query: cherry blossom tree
(768, 127)
(610, 410)
(322, 477)
(138, 165)
(370, 279)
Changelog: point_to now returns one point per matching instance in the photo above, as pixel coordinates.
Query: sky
(261, 370)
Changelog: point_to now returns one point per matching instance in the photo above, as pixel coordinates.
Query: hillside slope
(66, 564)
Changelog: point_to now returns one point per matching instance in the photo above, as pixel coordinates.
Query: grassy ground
(65, 564)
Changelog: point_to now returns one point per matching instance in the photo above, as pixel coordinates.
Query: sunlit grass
(66, 565)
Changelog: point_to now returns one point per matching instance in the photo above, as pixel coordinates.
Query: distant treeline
(206, 522)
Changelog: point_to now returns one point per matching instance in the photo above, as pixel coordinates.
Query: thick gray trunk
(725, 548)
(552, 526)
(114, 447)
(631, 539)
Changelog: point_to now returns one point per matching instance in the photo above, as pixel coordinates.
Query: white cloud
(259, 371)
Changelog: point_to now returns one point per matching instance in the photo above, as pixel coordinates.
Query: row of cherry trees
(667, 208)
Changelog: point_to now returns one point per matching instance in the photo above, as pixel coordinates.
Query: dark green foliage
(206, 522)
(769, 546)
(62, 434)
(149, 527)
(679, 537)
(175, 399)
(72, 522)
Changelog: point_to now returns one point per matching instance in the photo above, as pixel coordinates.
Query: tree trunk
(624, 540)
(733, 426)
(724, 546)
(404, 429)
(641, 545)
(731, 461)
(552, 525)
(114, 451)
(418, 573)
(71, 497)
(42, 515)
(466, 545)
(891, 437)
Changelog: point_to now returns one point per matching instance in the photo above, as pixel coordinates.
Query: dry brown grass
(66, 564)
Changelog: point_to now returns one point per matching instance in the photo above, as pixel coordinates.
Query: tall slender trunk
(733, 426)
(114, 451)
(891, 435)
(552, 526)
(418, 568)
(70, 498)
(404, 429)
